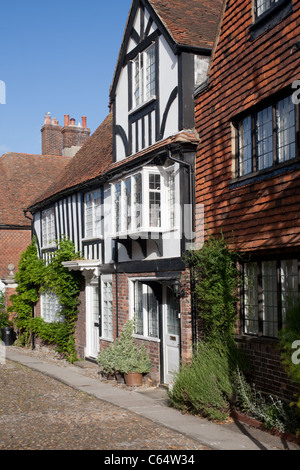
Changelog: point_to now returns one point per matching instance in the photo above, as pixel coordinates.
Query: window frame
(143, 223)
(252, 114)
(48, 227)
(145, 317)
(95, 235)
(47, 299)
(273, 4)
(269, 18)
(110, 330)
(261, 308)
(141, 58)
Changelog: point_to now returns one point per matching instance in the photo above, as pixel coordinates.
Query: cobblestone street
(40, 413)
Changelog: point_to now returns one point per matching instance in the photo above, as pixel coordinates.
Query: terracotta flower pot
(134, 379)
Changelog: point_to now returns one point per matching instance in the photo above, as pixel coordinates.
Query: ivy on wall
(35, 276)
(216, 278)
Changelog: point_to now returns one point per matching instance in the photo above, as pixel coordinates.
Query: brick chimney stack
(51, 136)
(65, 141)
(74, 136)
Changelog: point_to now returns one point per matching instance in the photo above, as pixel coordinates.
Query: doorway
(171, 335)
(92, 320)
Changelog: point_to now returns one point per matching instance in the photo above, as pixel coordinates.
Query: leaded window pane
(107, 305)
(269, 297)
(251, 298)
(286, 129)
(264, 134)
(245, 147)
(152, 312)
(138, 308)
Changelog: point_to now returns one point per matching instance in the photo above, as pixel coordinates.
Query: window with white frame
(144, 76)
(107, 307)
(145, 201)
(51, 308)
(270, 288)
(146, 311)
(267, 137)
(93, 214)
(48, 227)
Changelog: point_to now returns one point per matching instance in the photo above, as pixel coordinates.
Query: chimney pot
(47, 119)
(67, 120)
(72, 122)
(84, 122)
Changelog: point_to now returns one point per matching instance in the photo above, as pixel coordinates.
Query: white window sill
(109, 340)
(147, 338)
(49, 247)
(144, 233)
(92, 239)
(142, 105)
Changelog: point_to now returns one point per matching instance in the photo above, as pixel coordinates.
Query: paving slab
(152, 404)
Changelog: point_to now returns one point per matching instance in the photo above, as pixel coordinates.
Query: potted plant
(125, 356)
(106, 361)
(134, 360)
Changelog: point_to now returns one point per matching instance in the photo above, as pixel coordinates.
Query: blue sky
(57, 57)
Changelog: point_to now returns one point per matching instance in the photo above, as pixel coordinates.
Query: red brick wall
(261, 215)
(12, 245)
(51, 139)
(266, 370)
(74, 136)
(121, 297)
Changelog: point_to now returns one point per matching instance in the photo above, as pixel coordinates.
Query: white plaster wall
(122, 111)
(168, 80)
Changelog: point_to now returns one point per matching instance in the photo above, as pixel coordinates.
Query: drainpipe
(192, 283)
(117, 290)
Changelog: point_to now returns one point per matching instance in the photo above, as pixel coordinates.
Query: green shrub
(4, 320)
(273, 412)
(216, 278)
(34, 276)
(289, 334)
(2, 301)
(206, 386)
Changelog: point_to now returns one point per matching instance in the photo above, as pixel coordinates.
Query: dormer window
(144, 77)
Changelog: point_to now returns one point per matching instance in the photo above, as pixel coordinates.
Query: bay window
(145, 201)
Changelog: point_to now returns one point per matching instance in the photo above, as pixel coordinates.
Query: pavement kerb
(207, 433)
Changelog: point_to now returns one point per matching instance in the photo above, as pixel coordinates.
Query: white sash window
(144, 77)
(145, 202)
(51, 308)
(107, 308)
(93, 214)
(48, 227)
